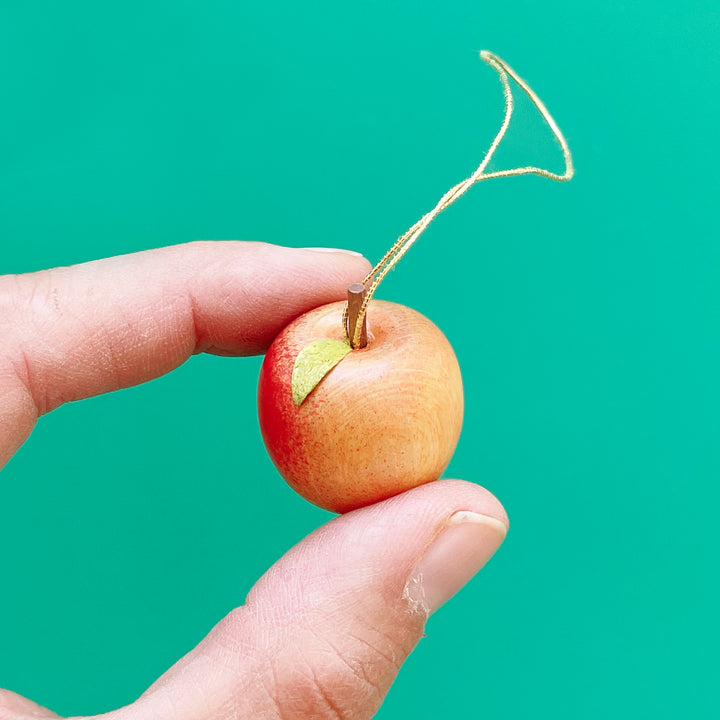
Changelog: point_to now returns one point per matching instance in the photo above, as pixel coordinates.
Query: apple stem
(356, 295)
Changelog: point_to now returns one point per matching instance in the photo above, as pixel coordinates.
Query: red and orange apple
(385, 419)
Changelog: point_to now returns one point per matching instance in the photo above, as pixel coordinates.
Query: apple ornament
(358, 402)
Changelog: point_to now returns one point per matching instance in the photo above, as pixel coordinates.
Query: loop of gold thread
(408, 238)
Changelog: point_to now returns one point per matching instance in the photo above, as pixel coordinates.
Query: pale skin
(325, 631)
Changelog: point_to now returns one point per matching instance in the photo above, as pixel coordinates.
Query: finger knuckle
(326, 689)
(334, 679)
(30, 306)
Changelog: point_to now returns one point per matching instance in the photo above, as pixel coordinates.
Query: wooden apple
(384, 419)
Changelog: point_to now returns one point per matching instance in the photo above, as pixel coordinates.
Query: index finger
(74, 332)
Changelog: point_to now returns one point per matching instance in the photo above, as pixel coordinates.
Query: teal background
(585, 317)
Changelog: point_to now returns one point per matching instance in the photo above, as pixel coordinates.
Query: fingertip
(457, 526)
(346, 261)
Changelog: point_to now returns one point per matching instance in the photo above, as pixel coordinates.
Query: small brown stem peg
(356, 295)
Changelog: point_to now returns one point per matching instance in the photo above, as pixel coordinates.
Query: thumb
(324, 632)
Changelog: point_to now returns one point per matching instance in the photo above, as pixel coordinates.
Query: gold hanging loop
(408, 238)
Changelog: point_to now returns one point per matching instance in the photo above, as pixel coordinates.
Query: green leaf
(313, 363)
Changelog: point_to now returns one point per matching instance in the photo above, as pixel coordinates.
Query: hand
(324, 632)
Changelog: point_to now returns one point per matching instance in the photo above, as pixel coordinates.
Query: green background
(585, 317)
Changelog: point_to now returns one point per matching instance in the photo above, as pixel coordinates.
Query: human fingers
(73, 332)
(16, 707)
(324, 632)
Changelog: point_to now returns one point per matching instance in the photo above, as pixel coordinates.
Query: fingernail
(334, 250)
(466, 543)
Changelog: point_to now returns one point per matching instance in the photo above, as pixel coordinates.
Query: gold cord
(408, 238)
